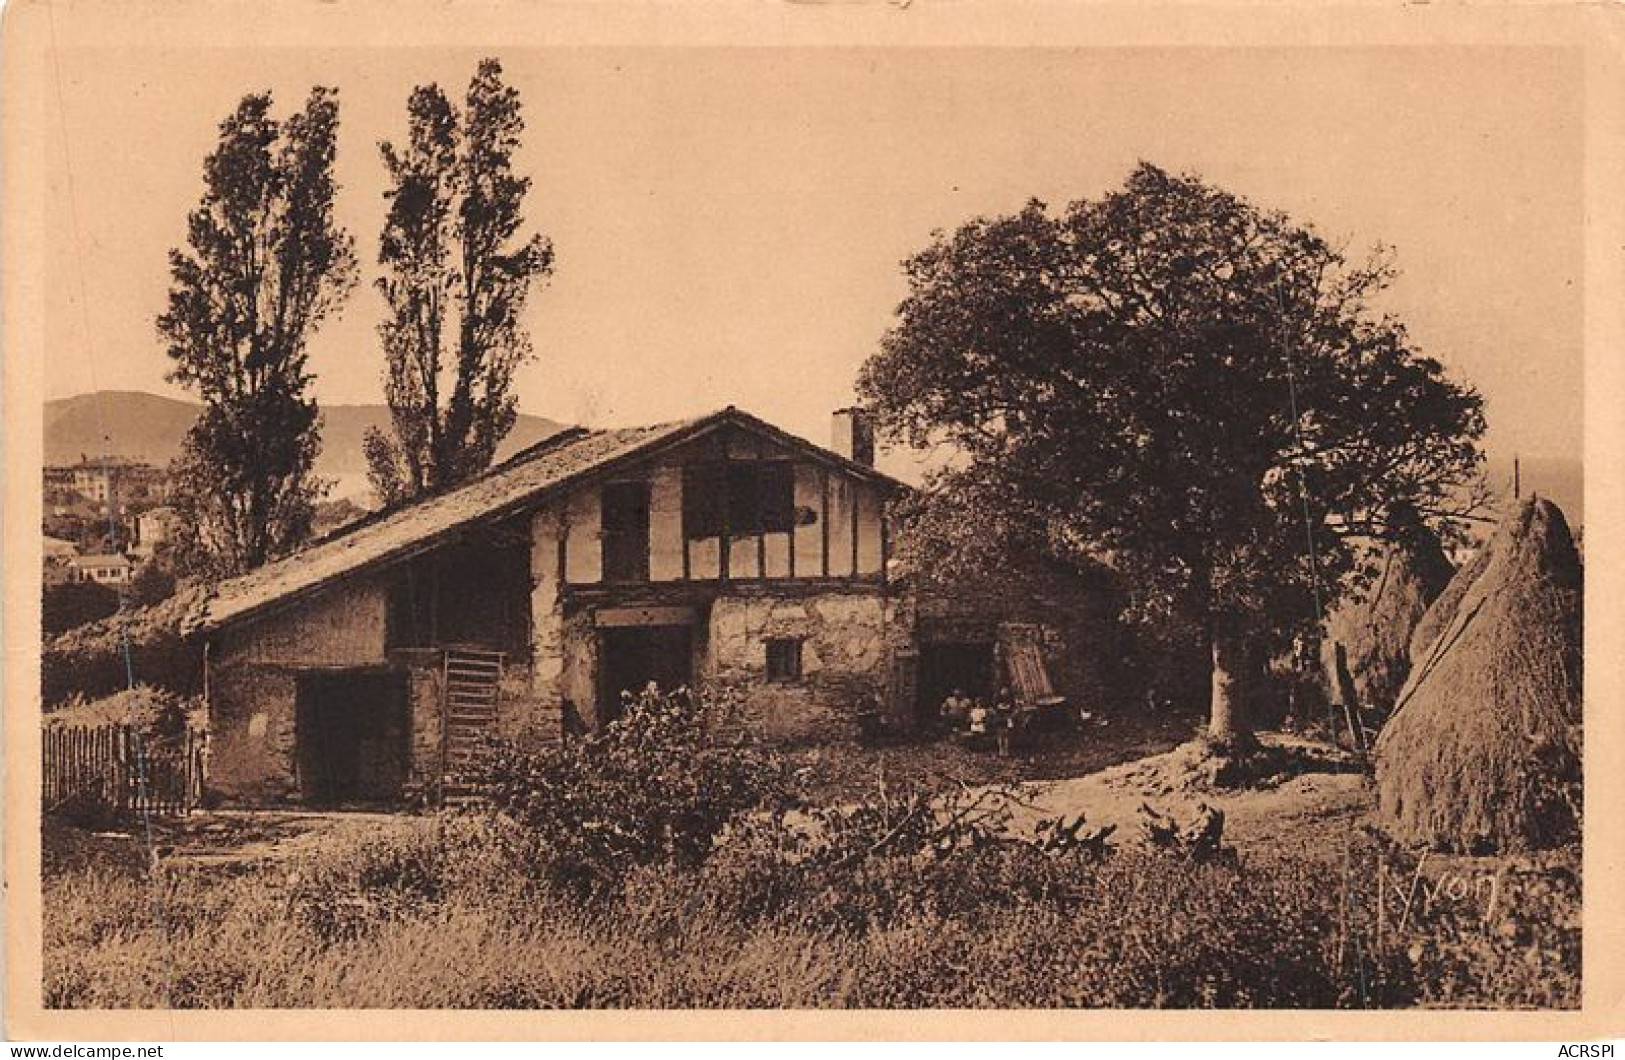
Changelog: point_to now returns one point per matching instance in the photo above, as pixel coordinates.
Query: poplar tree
(457, 275)
(265, 264)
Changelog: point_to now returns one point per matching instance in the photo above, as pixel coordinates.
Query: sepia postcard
(544, 520)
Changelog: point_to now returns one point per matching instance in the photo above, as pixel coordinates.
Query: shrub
(157, 713)
(74, 604)
(97, 659)
(656, 786)
(153, 583)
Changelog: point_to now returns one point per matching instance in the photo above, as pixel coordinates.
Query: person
(1004, 717)
(979, 718)
(956, 709)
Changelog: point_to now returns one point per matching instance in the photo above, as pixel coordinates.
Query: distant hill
(148, 427)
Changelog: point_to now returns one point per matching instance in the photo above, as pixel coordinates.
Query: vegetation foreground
(648, 867)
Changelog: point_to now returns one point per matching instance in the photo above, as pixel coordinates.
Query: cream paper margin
(33, 28)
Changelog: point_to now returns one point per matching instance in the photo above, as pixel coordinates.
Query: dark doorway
(626, 531)
(967, 666)
(630, 657)
(353, 734)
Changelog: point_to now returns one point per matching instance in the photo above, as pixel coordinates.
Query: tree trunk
(1226, 721)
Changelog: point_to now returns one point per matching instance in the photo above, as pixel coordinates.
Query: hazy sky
(729, 223)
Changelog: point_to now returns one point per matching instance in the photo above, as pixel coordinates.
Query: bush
(153, 584)
(157, 713)
(657, 786)
(74, 604)
(97, 659)
(659, 865)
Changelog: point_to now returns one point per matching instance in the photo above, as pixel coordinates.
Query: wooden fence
(115, 769)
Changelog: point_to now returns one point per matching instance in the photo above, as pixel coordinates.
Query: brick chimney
(853, 435)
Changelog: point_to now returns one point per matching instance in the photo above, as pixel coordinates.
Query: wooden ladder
(469, 692)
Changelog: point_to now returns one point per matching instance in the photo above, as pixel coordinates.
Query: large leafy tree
(265, 264)
(456, 280)
(1190, 388)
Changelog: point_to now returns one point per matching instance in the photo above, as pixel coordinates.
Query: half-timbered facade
(714, 551)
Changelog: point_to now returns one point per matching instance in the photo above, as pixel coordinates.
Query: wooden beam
(823, 516)
(624, 617)
(724, 539)
(761, 532)
(885, 541)
(856, 508)
(562, 523)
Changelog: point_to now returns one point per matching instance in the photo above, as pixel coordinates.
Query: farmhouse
(718, 550)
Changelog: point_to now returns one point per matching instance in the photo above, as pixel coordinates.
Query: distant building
(92, 480)
(109, 568)
(151, 529)
(57, 548)
(110, 479)
(57, 569)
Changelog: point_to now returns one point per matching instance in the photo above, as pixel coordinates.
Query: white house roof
(101, 559)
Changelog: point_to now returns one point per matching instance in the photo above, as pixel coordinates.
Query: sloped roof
(526, 477)
(56, 546)
(101, 559)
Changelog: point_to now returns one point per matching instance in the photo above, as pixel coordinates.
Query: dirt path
(1309, 812)
(219, 838)
(842, 773)
(1306, 813)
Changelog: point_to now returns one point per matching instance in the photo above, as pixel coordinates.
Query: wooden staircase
(470, 689)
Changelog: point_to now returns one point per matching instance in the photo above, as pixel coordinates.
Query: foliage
(657, 785)
(266, 263)
(580, 891)
(74, 604)
(456, 286)
(153, 583)
(1186, 386)
(157, 712)
(103, 657)
(443, 913)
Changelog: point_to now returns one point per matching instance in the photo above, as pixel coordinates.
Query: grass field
(1312, 909)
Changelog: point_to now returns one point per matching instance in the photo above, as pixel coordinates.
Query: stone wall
(252, 755)
(577, 698)
(424, 673)
(341, 626)
(253, 673)
(847, 642)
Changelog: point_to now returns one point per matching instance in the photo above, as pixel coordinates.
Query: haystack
(1365, 653)
(1483, 750)
(1443, 609)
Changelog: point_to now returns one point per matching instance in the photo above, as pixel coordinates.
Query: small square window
(784, 659)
